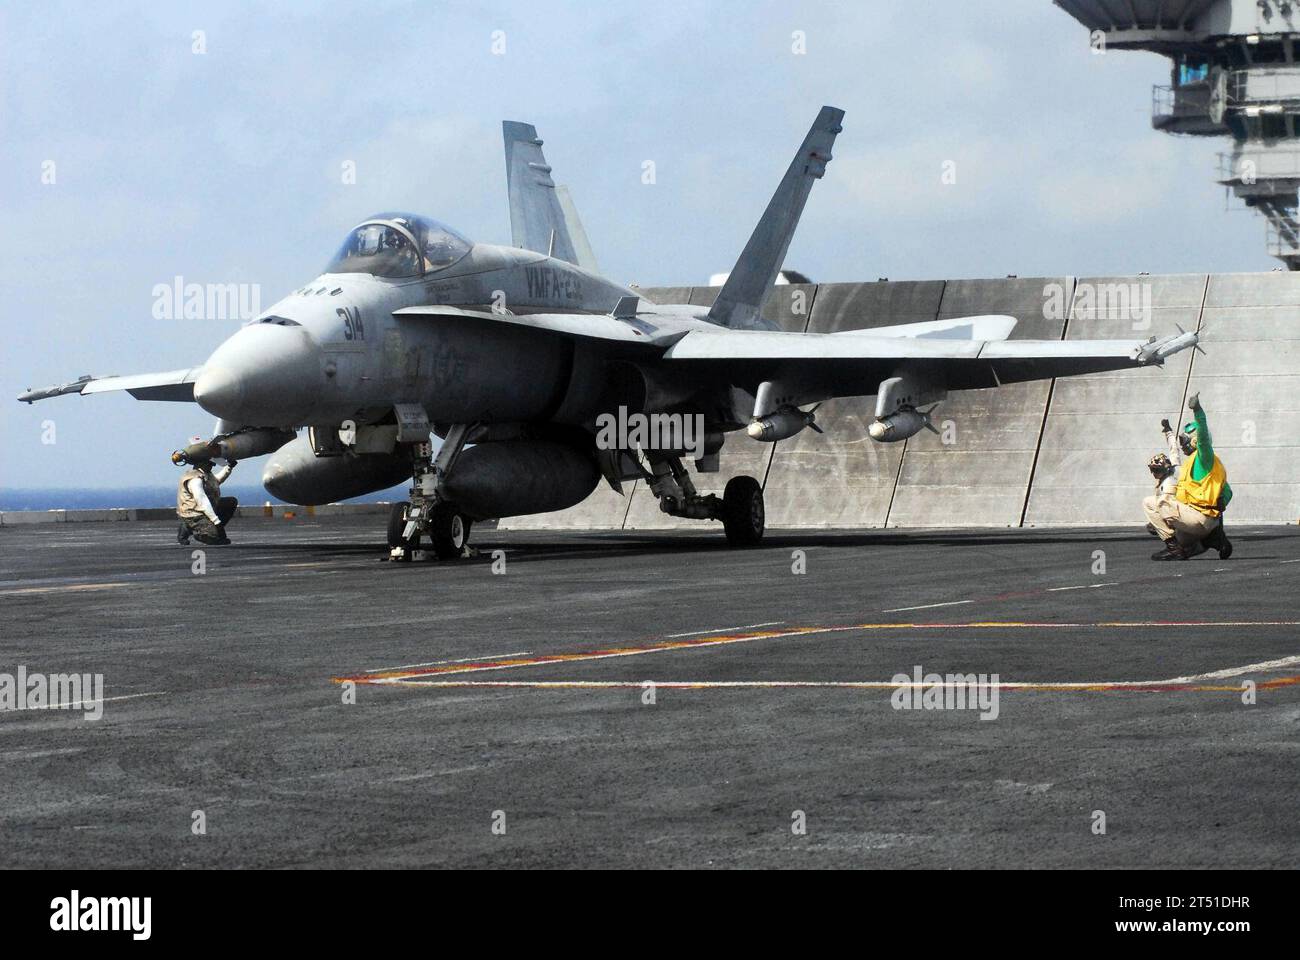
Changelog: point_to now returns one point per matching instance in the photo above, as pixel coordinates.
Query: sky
(210, 142)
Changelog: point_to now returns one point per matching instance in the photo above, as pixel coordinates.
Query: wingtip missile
(1157, 350)
(76, 386)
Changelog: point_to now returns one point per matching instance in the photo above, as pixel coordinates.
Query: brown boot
(1172, 550)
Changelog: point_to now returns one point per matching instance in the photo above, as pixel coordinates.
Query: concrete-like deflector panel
(1083, 440)
(977, 473)
(667, 294)
(1103, 428)
(843, 478)
(1249, 382)
(789, 306)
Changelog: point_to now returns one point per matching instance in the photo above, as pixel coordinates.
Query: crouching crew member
(203, 512)
(1192, 521)
(1164, 467)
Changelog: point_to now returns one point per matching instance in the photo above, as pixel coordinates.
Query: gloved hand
(232, 464)
(1165, 428)
(1194, 401)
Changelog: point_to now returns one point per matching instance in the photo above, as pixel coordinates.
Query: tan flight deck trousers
(1173, 518)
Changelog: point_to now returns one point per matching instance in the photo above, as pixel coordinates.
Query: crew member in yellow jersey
(1192, 521)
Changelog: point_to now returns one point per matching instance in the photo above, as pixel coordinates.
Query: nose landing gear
(448, 531)
(397, 539)
(427, 514)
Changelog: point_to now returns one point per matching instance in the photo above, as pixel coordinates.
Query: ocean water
(88, 499)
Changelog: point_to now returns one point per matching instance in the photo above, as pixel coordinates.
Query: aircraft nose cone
(219, 390)
(265, 375)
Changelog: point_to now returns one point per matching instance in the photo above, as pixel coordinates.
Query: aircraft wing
(965, 353)
(174, 385)
(853, 363)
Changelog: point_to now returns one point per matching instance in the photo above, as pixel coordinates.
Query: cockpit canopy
(399, 245)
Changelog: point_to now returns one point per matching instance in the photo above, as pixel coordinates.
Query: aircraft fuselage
(333, 350)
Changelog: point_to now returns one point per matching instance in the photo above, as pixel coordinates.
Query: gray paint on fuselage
(371, 360)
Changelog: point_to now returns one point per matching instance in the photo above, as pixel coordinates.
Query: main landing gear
(740, 507)
(743, 515)
(427, 515)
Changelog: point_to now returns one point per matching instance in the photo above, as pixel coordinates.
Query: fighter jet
(511, 355)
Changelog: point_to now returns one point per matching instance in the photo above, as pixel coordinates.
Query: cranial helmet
(1187, 439)
(1160, 466)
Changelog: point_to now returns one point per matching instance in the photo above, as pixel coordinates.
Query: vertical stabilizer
(537, 219)
(741, 299)
(586, 257)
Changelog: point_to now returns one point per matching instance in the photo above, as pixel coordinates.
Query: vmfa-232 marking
(512, 355)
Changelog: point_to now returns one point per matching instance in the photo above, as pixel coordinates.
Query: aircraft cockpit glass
(442, 248)
(382, 250)
(399, 245)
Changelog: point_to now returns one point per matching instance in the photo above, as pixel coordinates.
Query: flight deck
(650, 699)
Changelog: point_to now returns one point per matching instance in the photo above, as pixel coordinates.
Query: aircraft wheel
(449, 531)
(742, 511)
(397, 525)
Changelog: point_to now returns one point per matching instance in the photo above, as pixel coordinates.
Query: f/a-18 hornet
(512, 355)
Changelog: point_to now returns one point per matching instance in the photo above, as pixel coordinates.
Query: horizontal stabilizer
(782, 345)
(854, 363)
(958, 328)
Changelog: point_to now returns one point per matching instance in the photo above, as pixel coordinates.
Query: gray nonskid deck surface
(235, 708)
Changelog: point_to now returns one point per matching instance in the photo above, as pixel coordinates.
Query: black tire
(397, 525)
(449, 531)
(743, 516)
